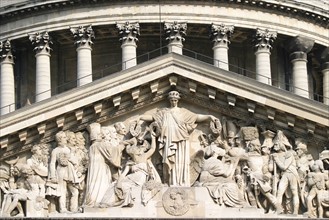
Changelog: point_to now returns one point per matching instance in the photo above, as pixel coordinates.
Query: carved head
(60, 138)
(254, 146)
(109, 132)
(37, 150)
(173, 95)
(281, 142)
(95, 132)
(81, 141)
(71, 138)
(301, 146)
(317, 166)
(121, 128)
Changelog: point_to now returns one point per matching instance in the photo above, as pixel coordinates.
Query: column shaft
(42, 42)
(128, 32)
(84, 65)
(128, 55)
(299, 46)
(83, 40)
(263, 66)
(43, 81)
(264, 40)
(175, 47)
(221, 56)
(326, 86)
(220, 35)
(7, 87)
(299, 74)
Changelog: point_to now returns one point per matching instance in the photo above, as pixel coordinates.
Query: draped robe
(176, 125)
(101, 155)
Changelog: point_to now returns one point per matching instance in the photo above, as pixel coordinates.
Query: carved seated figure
(136, 171)
(29, 187)
(217, 176)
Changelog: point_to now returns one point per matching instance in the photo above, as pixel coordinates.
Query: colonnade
(175, 35)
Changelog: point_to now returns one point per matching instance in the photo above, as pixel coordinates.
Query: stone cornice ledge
(311, 11)
(163, 66)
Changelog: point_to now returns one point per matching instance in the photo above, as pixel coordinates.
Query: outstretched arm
(147, 118)
(202, 118)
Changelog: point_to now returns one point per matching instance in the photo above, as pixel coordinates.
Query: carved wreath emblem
(175, 201)
(216, 127)
(135, 129)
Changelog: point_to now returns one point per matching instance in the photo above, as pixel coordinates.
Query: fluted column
(299, 47)
(83, 37)
(220, 35)
(41, 43)
(325, 72)
(175, 33)
(128, 33)
(7, 82)
(263, 45)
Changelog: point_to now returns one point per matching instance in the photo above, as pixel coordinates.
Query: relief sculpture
(154, 159)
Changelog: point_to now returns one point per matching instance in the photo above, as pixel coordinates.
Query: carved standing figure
(285, 161)
(259, 183)
(176, 125)
(105, 151)
(62, 173)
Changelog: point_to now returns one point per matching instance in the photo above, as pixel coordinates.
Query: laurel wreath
(216, 127)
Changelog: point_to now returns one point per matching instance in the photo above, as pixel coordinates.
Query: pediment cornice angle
(148, 74)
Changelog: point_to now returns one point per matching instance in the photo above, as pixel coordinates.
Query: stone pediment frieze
(116, 143)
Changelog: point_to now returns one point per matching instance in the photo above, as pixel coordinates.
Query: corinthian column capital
(221, 33)
(128, 32)
(175, 31)
(83, 36)
(41, 42)
(6, 52)
(264, 39)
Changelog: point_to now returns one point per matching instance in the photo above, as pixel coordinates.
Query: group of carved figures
(102, 167)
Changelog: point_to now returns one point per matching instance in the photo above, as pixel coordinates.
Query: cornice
(310, 12)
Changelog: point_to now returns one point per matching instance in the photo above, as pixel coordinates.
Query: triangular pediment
(204, 88)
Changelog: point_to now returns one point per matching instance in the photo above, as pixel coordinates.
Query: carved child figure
(316, 180)
(304, 161)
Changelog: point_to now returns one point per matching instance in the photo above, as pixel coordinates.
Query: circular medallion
(175, 201)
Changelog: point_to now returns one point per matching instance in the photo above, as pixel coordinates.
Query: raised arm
(150, 152)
